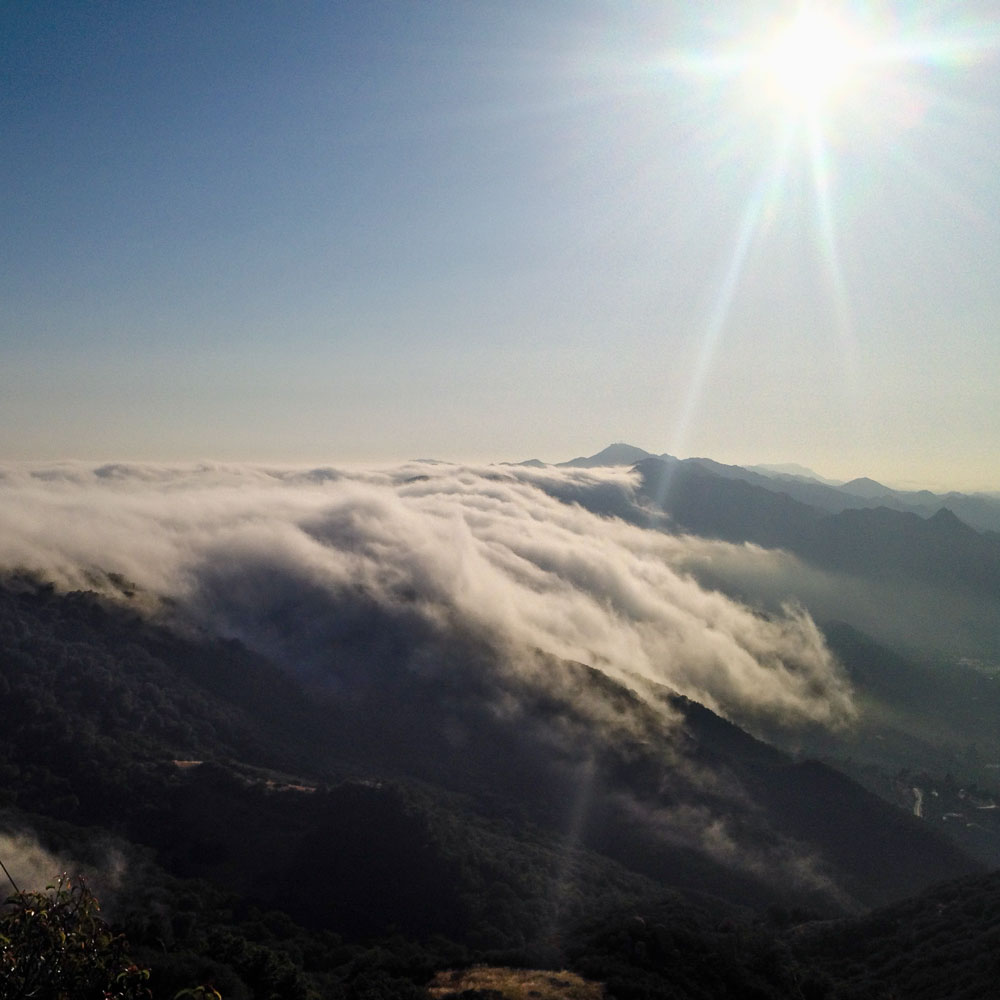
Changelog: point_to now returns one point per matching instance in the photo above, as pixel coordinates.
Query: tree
(54, 945)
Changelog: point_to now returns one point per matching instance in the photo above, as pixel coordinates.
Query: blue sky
(370, 231)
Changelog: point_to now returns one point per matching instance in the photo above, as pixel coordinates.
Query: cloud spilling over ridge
(313, 562)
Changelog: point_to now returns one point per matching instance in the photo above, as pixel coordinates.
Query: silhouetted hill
(874, 542)
(885, 543)
(979, 510)
(854, 830)
(941, 944)
(865, 487)
(822, 495)
(946, 701)
(791, 470)
(703, 502)
(614, 454)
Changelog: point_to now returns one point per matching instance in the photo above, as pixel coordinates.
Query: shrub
(54, 944)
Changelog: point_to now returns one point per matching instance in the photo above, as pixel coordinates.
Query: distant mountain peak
(792, 469)
(865, 487)
(618, 453)
(948, 519)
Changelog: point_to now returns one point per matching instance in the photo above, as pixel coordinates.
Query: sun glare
(829, 78)
(810, 61)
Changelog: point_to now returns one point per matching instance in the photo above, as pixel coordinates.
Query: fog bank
(321, 565)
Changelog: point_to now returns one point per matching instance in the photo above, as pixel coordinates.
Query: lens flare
(825, 80)
(811, 60)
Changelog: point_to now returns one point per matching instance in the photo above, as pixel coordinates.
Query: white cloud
(294, 560)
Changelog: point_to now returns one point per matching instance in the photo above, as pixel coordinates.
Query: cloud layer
(325, 566)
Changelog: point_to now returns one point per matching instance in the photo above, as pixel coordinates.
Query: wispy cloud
(29, 865)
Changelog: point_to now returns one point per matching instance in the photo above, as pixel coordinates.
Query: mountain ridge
(980, 510)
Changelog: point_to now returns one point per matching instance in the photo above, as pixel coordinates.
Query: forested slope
(272, 841)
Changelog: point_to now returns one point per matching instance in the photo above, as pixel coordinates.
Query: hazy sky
(366, 231)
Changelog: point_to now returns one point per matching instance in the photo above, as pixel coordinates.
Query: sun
(811, 61)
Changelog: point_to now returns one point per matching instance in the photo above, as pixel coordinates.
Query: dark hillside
(945, 943)
(703, 503)
(112, 701)
(411, 811)
(881, 851)
(879, 543)
(95, 699)
(950, 702)
(940, 549)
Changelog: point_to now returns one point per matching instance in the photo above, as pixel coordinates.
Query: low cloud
(919, 618)
(340, 571)
(774, 859)
(30, 868)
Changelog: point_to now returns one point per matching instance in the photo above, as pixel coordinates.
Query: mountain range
(978, 510)
(289, 782)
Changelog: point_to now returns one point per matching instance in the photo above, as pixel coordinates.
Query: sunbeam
(831, 257)
(807, 76)
(564, 884)
(760, 204)
(721, 308)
